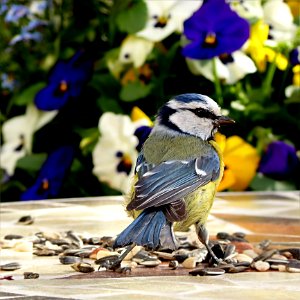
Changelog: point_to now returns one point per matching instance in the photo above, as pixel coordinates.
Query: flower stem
(267, 84)
(217, 83)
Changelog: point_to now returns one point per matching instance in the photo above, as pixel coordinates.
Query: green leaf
(134, 91)
(133, 18)
(32, 162)
(28, 94)
(109, 104)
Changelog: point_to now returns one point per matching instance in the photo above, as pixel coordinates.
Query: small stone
(23, 246)
(282, 268)
(189, 263)
(243, 257)
(293, 267)
(279, 256)
(164, 255)
(261, 266)
(150, 263)
(250, 252)
(105, 253)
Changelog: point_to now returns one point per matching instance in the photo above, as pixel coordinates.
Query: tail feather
(149, 229)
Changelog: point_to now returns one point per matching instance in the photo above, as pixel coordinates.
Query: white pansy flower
(115, 153)
(17, 136)
(135, 50)
(166, 17)
(248, 9)
(230, 68)
(278, 16)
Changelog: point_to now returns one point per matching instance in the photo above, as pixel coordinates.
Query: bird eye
(204, 113)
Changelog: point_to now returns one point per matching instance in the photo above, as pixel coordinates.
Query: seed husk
(207, 272)
(69, 260)
(10, 266)
(26, 220)
(265, 255)
(13, 237)
(31, 275)
(173, 264)
(83, 267)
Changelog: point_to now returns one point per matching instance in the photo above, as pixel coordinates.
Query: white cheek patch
(189, 123)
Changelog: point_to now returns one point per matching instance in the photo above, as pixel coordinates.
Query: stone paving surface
(260, 215)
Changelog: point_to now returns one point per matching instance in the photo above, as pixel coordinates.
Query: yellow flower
(296, 77)
(259, 52)
(241, 161)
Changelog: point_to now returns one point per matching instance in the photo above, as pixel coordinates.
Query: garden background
(81, 82)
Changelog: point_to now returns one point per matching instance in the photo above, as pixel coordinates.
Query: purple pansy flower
(280, 160)
(214, 30)
(295, 56)
(142, 134)
(66, 81)
(52, 174)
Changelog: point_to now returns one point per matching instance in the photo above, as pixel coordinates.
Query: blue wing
(172, 180)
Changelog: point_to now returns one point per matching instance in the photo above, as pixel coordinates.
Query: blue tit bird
(177, 173)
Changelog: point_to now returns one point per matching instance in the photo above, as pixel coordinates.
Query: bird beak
(223, 120)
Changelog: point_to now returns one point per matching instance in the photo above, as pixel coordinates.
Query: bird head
(191, 114)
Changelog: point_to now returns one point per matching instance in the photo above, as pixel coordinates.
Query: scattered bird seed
(150, 263)
(261, 266)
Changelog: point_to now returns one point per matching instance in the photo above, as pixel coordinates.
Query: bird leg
(114, 264)
(204, 239)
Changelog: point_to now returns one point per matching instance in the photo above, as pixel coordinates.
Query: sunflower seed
(173, 264)
(10, 266)
(26, 220)
(83, 267)
(69, 260)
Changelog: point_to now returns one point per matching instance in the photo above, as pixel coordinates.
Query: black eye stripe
(203, 113)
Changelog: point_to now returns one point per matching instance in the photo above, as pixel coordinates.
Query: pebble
(261, 266)
(293, 267)
(105, 253)
(150, 263)
(243, 257)
(250, 252)
(189, 263)
(23, 246)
